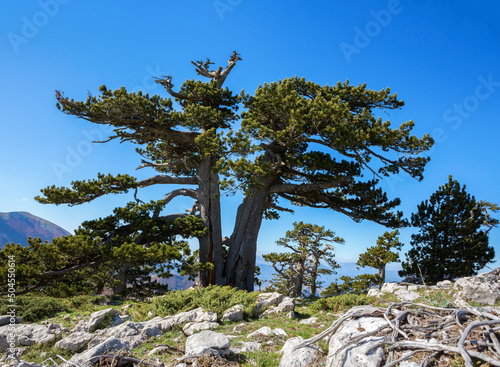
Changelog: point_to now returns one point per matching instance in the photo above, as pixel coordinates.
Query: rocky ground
(404, 324)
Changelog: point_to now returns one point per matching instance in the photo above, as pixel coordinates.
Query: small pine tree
(451, 242)
(309, 244)
(380, 255)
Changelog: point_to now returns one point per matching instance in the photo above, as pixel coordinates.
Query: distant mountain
(175, 282)
(18, 226)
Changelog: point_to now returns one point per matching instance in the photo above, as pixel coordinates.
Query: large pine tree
(299, 143)
(452, 241)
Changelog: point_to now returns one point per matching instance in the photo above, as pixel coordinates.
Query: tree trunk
(210, 244)
(240, 263)
(314, 276)
(121, 276)
(381, 273)
(299, 279)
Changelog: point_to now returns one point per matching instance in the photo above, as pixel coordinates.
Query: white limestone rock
(27, 334)
(76, 341)
(86, 359)
(206, 340)
(362, 354)
(309, 321)
(298, 357)
(191, 327)
(234, 314)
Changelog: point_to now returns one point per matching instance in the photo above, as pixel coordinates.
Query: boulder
(87, 358)
(234, 314)
(7, 320)
(407, 295)
(286, 305)
(95, 320)
(191, 327)
(266, 331)
(362, 354)
(129, 333)
(292, 357)
(483, 288)
(76, 341)
(310, 320)
(263, 331)
(244, 347)
(445, 284)
(207, 340)
(27, 334)
(268, 299)
(280, 332)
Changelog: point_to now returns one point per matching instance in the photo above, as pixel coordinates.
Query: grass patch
(39, 353)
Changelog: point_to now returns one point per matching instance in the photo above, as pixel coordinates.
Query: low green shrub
(33, 309)
(212, 298)
(342, 302)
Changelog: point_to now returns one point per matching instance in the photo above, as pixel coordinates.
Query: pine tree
(299, 143)
(451, 241)
(380, 255)
(309, 245)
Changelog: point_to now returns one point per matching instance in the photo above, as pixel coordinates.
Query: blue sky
(442, 58)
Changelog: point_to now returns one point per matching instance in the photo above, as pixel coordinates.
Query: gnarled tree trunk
(240, 263)
(210, 244)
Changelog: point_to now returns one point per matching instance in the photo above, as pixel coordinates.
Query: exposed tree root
(417, 330)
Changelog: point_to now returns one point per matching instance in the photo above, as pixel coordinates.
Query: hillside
(18, 226)
(400, 324)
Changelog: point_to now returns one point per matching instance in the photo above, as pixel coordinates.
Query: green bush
(213, 298)
(342, 302)
(358, 284)
(33, 309)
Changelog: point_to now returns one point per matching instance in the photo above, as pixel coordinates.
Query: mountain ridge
(19, 225)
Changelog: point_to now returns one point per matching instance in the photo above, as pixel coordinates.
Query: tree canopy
(299, 143)
(308, 245)
(452, 241)
(380, 255)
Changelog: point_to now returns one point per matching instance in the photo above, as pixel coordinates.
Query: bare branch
(167, 84)
(180, 192)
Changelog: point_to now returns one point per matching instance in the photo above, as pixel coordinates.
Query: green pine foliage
(351, 285)
(380, 255)
(452, 241)
(300, 267)
(87, 262)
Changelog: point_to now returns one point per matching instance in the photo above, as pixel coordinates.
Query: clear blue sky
(442, 58)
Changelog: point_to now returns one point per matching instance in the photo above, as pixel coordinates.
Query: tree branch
(303, 188)
(164, 179)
